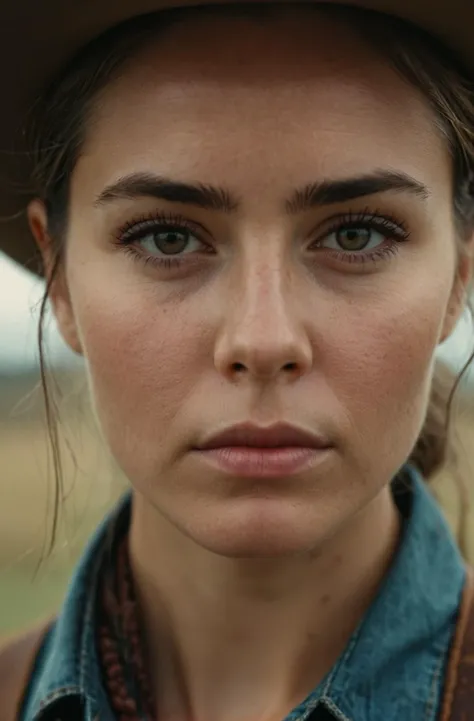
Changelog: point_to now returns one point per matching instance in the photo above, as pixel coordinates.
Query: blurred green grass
(25, 598)
(34, 578)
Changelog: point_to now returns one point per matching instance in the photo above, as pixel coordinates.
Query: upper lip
(280, 435)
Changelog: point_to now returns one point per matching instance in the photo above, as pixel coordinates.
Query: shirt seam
(331, 706)
(343, 660)
(56, 695)
(431, 703)
(88, 623)
(323, 695)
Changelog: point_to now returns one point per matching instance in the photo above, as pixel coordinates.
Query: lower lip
(248, 462)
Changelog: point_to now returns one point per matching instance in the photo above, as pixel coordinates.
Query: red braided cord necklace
(120, 645)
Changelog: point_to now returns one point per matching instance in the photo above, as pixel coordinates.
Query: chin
(263, 529)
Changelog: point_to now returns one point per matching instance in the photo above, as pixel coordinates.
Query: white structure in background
(458, 349)
(20, 295)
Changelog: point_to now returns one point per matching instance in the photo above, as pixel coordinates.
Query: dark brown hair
(60, 125)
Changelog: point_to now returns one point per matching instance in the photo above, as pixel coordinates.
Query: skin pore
(264, 312)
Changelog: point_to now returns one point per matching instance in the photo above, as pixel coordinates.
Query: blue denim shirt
(391, 669)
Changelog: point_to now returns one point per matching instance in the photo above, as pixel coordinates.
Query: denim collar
(392, 667)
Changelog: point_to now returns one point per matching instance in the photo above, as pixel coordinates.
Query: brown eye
(171, 242)
(167, 241)
(353, 238)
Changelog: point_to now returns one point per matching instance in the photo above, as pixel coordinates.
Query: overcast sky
(20, 293)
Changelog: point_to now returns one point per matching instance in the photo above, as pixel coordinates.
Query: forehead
(301, 90)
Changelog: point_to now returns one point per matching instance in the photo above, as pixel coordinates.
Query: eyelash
(134, 230)
(395, 230)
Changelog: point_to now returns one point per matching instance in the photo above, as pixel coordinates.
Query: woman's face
(306, 277)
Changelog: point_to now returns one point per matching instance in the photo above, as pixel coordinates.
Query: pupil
(171, 242)
(354, 238)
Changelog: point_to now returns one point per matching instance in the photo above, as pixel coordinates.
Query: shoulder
(17, 661)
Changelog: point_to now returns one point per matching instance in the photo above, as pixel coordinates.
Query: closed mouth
(280, 435)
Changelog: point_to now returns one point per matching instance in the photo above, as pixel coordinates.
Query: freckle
(325, 599)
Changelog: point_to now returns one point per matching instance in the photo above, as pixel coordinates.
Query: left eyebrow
(330, 192)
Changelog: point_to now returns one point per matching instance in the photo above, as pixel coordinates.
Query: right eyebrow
(139, 185)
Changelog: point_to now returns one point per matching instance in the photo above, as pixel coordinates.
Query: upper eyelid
(365, 215)
(376, 218)
(142, 223)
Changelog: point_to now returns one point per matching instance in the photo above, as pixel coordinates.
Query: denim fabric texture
(392, 668)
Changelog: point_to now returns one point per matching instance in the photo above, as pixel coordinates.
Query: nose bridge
(263, 333)
(265, 293)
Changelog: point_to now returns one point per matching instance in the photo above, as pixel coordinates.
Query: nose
(263, 334)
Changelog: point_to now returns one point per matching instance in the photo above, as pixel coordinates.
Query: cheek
(382, 373)
(143, 360)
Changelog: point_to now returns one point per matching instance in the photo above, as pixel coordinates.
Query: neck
(232, 639)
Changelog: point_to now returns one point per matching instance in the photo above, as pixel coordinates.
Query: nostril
(290, 367)
(238, 367)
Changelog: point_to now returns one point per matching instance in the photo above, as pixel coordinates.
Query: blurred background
(33, 577)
